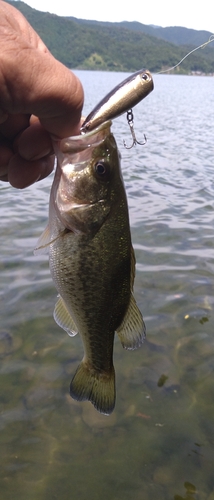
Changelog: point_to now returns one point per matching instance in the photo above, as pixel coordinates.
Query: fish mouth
(79, 204)
(86, 140)
(85, 204)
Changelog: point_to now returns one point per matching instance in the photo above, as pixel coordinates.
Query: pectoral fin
(45, 241)
(64, 319)
(132, 330)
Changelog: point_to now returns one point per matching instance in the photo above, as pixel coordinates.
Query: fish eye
(145, 77)
(101, 168)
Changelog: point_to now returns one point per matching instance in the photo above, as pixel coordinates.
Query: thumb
(32, 81)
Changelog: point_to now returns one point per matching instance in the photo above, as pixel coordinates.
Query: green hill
(173, 34)
(117, 46)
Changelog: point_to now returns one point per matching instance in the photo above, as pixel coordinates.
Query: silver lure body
(122, 98)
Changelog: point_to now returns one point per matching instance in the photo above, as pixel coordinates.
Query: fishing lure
(120, 100)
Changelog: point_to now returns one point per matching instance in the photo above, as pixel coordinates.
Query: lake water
(159, 442)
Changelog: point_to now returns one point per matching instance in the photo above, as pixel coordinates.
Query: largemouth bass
(92, 261)
(121, 98)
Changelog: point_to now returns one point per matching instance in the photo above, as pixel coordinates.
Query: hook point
(130, 120)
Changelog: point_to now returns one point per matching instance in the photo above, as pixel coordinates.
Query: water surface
(159, 442)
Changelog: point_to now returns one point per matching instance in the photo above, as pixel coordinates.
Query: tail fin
(97, 387)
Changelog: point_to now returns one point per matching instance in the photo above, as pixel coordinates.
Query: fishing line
(211, 39)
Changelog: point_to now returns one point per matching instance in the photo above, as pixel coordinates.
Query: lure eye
(145, 77)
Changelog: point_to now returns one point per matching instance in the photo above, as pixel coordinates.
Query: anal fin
(132, 330)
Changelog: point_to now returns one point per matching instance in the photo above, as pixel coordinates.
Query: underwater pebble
(5, 342)
(96, 420)
(29, 373)
(40, 396)
(142, 495)
(9, 343)
(211, 496)
(162, 475)
(131, 411)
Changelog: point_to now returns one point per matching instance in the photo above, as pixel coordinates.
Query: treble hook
(130, 120)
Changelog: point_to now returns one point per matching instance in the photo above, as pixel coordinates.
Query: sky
(187, 13)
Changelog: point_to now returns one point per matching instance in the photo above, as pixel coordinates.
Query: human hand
(40, 101)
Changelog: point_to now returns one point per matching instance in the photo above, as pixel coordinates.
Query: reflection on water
(159, 442)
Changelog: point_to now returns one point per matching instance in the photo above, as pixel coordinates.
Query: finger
(13, 125)
(34, 142)
(3, 116)
(23, 173)
(5, 155)
(38, 83)
(43, 87)
(60, 104)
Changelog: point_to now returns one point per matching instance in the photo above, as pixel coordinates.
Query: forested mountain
(173, 34)
(124, 46)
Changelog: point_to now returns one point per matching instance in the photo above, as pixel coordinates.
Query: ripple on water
(159, 442)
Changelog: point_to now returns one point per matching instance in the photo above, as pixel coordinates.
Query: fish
(92, 261)
(122, 98)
